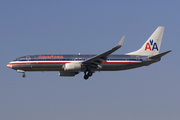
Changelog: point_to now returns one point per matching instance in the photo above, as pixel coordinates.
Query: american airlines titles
(50, 57)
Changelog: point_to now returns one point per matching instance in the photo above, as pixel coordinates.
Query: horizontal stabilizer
(160, 55)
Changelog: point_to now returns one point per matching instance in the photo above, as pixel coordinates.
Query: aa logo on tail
(151, 46)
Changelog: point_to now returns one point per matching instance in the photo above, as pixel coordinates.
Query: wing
(98, 59)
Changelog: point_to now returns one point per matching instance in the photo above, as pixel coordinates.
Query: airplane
(71, 65)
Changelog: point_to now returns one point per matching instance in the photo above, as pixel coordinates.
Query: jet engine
(72, 67)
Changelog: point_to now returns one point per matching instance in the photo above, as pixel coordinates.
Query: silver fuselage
(56, 62)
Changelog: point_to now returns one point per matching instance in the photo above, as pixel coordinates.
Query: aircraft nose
(9, 65)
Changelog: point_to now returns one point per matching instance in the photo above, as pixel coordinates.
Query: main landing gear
(87, 74)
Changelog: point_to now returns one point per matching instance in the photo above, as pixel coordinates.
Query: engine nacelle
(68, 74)
(72, 67)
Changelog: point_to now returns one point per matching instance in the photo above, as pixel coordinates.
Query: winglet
(121, 41)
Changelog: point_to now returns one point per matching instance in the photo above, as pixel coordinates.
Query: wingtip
(121, 41)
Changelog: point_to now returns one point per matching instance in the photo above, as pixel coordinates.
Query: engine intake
(72, 67)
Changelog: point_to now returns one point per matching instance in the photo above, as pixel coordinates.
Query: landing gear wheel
(86, 77)
(23, 75)
(89, 74)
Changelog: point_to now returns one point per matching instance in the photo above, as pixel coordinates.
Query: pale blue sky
(81, 26)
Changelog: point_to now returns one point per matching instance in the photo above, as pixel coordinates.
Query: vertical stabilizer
(152, 46)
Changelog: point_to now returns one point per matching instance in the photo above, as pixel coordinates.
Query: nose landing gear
(22, 71)
(24, 75)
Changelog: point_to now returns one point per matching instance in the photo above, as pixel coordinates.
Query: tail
(152, 46)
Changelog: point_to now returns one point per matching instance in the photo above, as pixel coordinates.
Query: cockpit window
(18, 59)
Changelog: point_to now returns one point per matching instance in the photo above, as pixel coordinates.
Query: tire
(86, 77)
